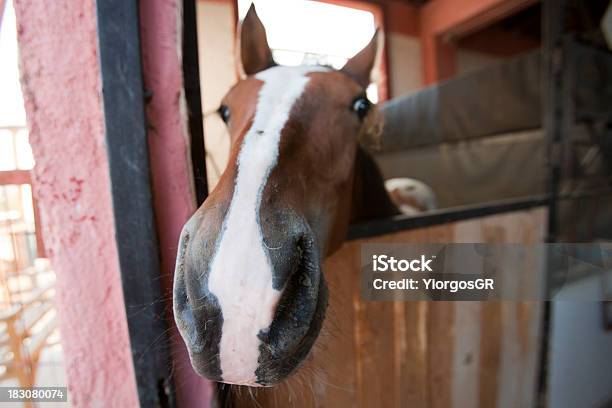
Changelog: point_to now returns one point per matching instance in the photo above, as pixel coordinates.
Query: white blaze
(240, 272)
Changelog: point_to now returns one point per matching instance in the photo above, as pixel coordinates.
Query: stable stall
(517, 153)
(511, 153)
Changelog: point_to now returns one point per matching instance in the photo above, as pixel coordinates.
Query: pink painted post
(161, 36)
(60, 77)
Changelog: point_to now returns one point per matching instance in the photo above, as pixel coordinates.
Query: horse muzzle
(249, 314)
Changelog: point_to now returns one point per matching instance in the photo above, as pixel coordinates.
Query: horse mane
(370, 198)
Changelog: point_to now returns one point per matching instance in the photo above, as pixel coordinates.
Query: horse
(249, 295)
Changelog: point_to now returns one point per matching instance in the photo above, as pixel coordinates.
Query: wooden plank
(466, 358)
(374, 336)
(521, 319)
(493, 231)
(413, 364)
(490, 349)
(441, 335)
(15, 177)
(411, 344)
(466, 355)
(338, 334)
(511, 329)
(405, 350)
(511, 364)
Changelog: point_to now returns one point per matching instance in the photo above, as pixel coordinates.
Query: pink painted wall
(171, 165)
(61, 88)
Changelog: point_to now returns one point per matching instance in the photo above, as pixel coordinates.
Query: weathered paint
(60, 78)
(170, 165)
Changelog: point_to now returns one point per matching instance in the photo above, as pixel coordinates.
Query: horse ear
(360, 66)
(255, 54)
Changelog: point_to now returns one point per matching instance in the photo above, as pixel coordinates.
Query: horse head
(249, 293)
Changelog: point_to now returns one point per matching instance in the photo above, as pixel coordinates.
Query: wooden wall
(420, 354)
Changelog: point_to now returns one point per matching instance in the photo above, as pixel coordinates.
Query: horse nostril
(298, 258)
(305, 280)
(298, 316)
(300, 271)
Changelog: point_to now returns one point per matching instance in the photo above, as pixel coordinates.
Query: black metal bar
(552, 123)
(552, 110)
(191, 75)
(136, 236)
(404, 222)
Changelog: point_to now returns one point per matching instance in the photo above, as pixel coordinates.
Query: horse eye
(224, 112)
(361, 106)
